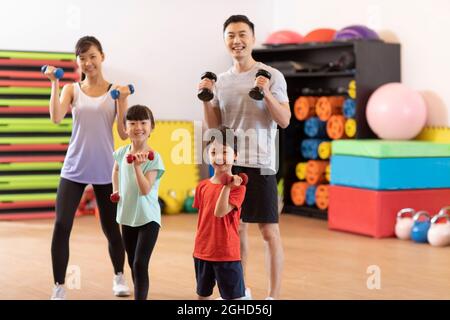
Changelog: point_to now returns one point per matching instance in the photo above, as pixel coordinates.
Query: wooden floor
(319, 263)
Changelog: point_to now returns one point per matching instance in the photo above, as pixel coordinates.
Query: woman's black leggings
(139, 243)
(67, 201)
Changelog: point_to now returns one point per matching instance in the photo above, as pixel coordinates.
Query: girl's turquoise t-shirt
(134, 209)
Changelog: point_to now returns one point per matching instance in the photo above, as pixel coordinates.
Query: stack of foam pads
(372, 180)
(325, 118)
(32, 148)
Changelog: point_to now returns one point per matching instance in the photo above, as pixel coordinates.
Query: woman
(89, 158)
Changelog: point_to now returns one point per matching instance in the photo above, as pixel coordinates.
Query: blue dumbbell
(315, 128)
(59, 73)
(311, 195)
(349, 108)
(115, 94)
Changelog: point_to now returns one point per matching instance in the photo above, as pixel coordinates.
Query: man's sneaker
(120, 287)
(269, 298)
(59, 292)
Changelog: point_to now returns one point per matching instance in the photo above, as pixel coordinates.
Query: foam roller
(322, 196)
(324, 150)
(309, 148)
(349, 108)
(328, 106)
(311, 196)
(336, 127)
(315, 128)
(350, 128)
(300, 170)
(305, 107)
(315, 171)
(298, 193)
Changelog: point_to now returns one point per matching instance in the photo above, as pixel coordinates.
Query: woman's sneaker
(59, 292)
(120, 287)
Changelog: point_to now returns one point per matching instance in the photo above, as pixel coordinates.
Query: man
(256, 121)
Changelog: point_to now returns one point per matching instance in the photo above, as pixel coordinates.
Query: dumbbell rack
(32, 148)
(376, 63)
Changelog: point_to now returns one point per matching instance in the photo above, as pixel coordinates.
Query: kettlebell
(439, 233)
(419, 231)
(404, 224)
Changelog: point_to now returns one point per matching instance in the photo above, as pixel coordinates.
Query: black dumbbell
(206, 94)
(257, 93)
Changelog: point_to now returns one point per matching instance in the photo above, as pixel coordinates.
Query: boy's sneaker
(59, 292)
(248, 294)
(120, 287)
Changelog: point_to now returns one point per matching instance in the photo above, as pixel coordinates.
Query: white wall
(422, 28)
(161, 46)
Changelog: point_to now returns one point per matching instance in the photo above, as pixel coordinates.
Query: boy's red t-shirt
(217, 239)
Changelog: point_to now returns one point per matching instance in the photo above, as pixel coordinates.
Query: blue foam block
(390, 173)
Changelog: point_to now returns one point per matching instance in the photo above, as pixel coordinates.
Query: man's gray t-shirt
(250, 119)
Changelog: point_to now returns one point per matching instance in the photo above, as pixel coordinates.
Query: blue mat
(390, 173)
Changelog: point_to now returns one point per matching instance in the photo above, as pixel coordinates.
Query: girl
(136, 177)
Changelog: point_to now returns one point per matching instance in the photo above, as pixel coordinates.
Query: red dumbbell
(226, 179)
(131, 157)
(114, 197)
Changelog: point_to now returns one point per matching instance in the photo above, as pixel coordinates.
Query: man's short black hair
(239, 18)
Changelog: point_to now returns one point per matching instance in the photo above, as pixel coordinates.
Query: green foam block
(30, 166)
(29, 182)
(24, 102)
(24, 90)
(37, 55)
(34, 140)
(390, 148)
(27, 197)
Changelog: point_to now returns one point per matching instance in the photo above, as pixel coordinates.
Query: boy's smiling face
(221, 157)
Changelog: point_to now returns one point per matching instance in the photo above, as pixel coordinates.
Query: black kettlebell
(206, 94)
(257, 93)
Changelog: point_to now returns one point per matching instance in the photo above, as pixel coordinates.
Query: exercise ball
(396, 112)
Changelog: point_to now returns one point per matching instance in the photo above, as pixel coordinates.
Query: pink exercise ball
(396, 112)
